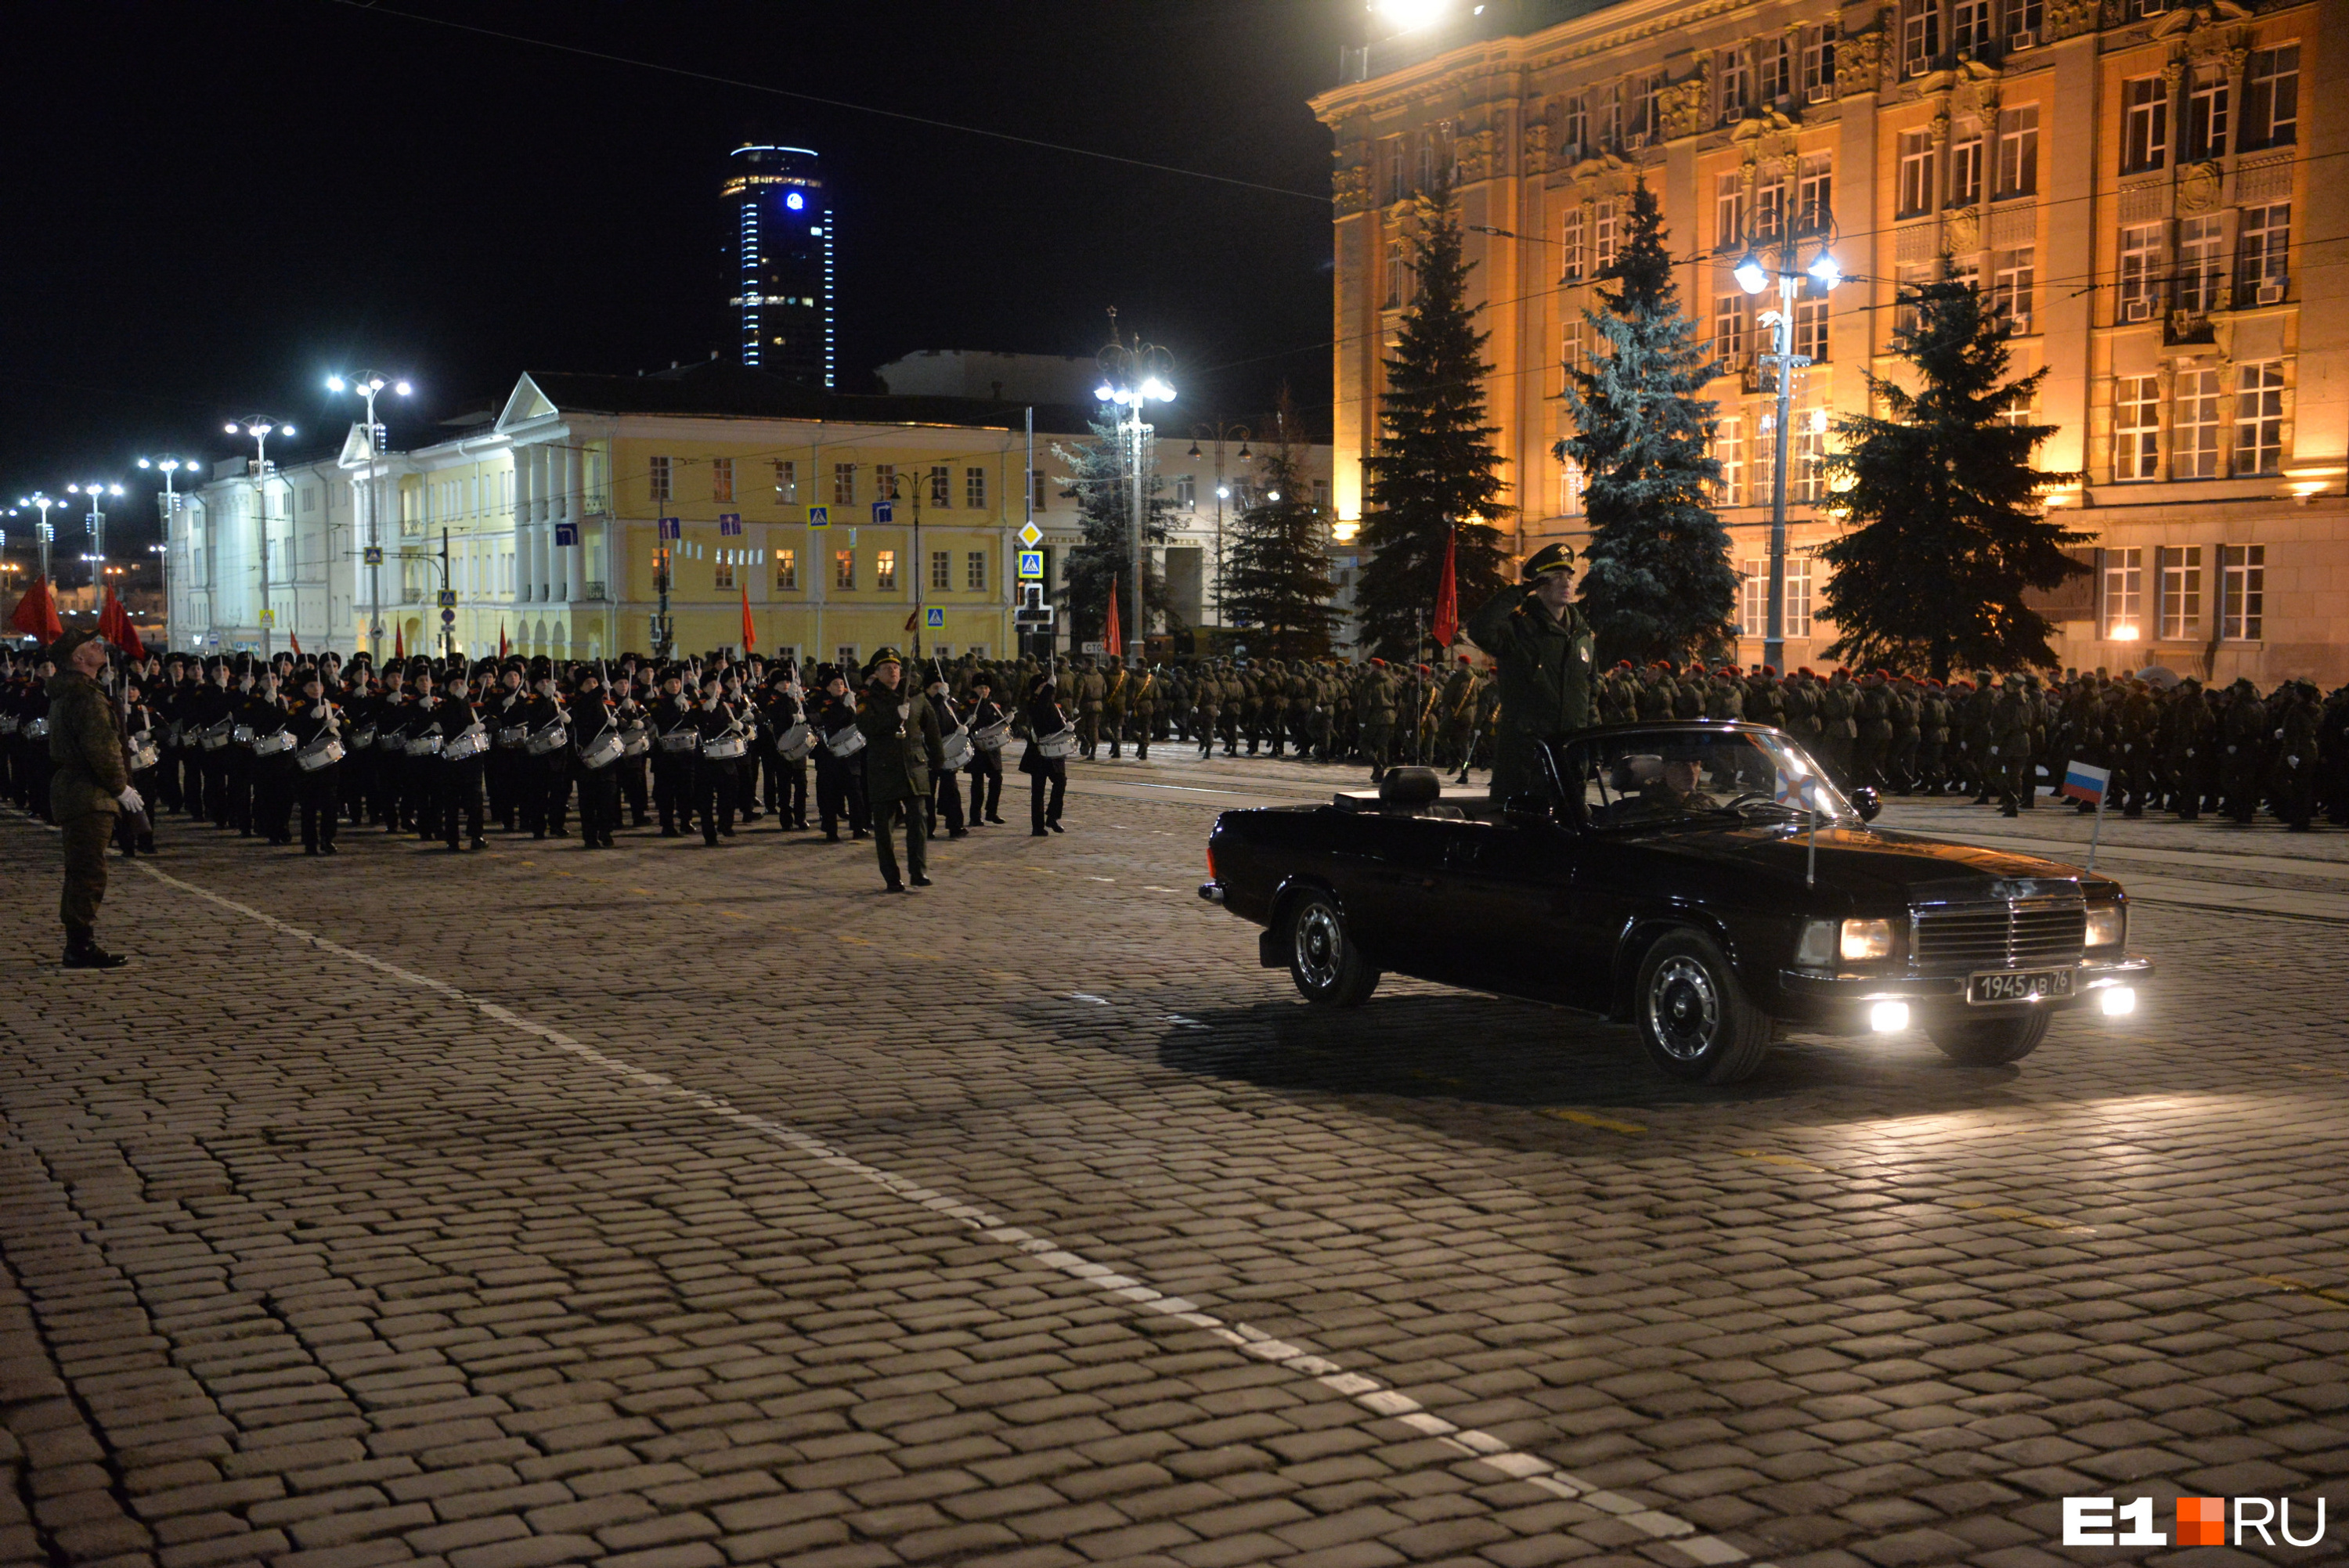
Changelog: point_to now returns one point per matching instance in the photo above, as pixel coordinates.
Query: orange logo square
(2201, 1522)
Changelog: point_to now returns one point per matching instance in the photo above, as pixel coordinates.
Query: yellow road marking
(1585, 1118)
(1786, 1159)
(2301, 1287)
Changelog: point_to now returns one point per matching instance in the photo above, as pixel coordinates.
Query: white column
(541, 542)
(575, 512)
(525, 585)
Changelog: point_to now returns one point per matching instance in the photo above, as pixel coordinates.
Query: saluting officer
(1541, 648)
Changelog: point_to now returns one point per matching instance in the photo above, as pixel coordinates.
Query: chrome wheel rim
(1319, 945)
(1684, 1008)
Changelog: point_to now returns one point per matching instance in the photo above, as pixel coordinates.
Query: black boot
(82, 951)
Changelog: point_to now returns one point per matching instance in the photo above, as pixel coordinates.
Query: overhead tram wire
(609, 58)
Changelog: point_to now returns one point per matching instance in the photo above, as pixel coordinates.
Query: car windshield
(1656, 778)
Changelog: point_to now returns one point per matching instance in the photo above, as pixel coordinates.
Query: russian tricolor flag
(2086, 781)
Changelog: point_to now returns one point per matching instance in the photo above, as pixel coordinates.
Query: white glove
(132, 799)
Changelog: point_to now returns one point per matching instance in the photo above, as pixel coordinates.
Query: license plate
(2020, 985)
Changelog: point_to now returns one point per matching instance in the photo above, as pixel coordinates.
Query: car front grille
(2006, 936)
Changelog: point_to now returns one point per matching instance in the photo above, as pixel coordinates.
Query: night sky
(213, 206)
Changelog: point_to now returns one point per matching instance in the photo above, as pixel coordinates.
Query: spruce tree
(1277, 580)
(1657, 581)
(1946, 527)
(1431, 471)
(1102, 489)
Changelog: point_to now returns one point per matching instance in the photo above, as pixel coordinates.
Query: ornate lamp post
(1132, 375)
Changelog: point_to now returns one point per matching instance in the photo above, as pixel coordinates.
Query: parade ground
(679, 1206)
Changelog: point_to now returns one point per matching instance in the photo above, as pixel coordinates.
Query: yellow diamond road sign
(1029, 535)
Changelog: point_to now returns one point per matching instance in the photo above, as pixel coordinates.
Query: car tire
(1992, 1042)
(1323, 961)
(1693, 1016)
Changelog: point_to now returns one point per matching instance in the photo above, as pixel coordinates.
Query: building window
(2145, 123)
(1735, 83)
(1916, 173)
(1647, 115)
(1969, 26)
(2012, 274)
(2140, 271)
(1578, 126)
(2243, 591)
(2018, 150)
(2200, 243)
(1907, 281)
(2259, 418)
(1186, 492)
(1602, 229)
(1770, 207)
(1815, 193)
(1966, 163)
(844, 569)
(843, 484)
(1394, 274)
(974, 488)
(1818, 63)
(2137, 428)
(974, 570)
(657, 474)
(1321, 496)
(846, 656)
(2262, 248)
(2180, 568)
(1610, 116)
(787, 569)
(1753, 604)
(2194, 429)
(1920, 34)
(941, 487)
(1392, 160)
(2205, 114)
(1729, 451)
(1778, 66)
(721, 574)
(1811, 329)
(1728, 327)
(884, 568)
(1036, 489)
(1570, 486)
(2124, 594)
(787, 482)
(885, 482)
(2272, 97)
(2023, 20)
(722, 478)
(1729, 216)
(1571, 236)
(941, 568)
(1807, 479)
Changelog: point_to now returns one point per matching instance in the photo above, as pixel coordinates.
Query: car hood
(1870, 866)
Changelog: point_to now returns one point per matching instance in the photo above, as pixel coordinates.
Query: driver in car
(1667, 788)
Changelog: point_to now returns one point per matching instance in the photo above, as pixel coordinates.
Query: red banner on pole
(1112, 639)
(1447, 600)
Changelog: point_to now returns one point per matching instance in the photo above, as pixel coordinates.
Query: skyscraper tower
(779, 240)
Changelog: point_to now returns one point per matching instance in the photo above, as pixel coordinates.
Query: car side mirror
(1866, 802)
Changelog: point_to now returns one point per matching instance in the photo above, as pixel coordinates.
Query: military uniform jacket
(84, 750)
(903, 746)
(1545, 680)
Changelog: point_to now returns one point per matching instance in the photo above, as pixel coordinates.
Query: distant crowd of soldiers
(2180, 748)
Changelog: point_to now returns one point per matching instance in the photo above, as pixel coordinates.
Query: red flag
(295, 638)
(750, 632)
(36, 613)
(1447, 601)
(503, 646)
(399, 644)
(1112, 639)
(114, 625)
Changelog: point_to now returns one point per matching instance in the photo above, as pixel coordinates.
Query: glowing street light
(367, 384)
(1133, 375)
(95, 522)
(261, 426)
(1754, 277)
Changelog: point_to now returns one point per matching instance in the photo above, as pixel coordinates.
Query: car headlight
(1816, 949)
(2107, 925)
(1866, 939)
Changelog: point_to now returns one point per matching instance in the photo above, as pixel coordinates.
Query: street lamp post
(367, 384)
(94, 556)
(260, 427)
(167, 467)
(1134, 375)
(1754, 277)
(43, 534)
(1219, 432)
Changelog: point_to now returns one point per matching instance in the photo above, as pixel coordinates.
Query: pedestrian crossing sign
(448, 598)
(818, 517)
(1030, 535)
(1031, 564)
(372, 555)
(936, 618)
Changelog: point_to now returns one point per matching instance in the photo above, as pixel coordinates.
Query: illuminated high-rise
(780, 245)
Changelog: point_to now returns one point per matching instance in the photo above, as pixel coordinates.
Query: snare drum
(143, 757)
(363, 738)
(725, 748)
(391, 740)
(513, 735)
(425, 745)
(9, 722)
(471, 742)
(636, 740)
(683, 739)
(957, 749)
(796, 742)
(847, 743)
(602, 751)
(552, 739)
(242, 735)
(991, 738)
(1060, 743)
(323, 752)
(35, 729)
(272, 744)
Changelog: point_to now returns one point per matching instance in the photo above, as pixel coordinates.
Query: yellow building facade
(2146, 192)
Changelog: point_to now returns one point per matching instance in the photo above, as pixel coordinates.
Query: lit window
(2259, 418)
(1917, 192)
(1819, 63)
(1728, 327)
(721, 574)
(884, 568)
(787, 482)
(2205, 113)
(1603, 232)
(1729, 451)
(2262, 248)
(885, 482)
(787, 569)
(2140, 272)
(1811, 329)
(941, 487)
(722, 478)
(2012, 274)
(2123, 582)
(1737, 84)
(2137, 428)
(1920, 34)
(1186, 492)
(844, 569)
(2181, 569)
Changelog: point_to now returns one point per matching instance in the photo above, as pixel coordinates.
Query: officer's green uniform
(1543, 666)
(85, 785)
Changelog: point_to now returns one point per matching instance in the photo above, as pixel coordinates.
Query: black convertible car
(1703, 881)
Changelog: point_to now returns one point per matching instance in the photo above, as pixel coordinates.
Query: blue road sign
(448, 597)
(668, 529)
(884, 511)
(448, 617)
(371, 556)
(818, 517)
(729, 525)
(1031, 564)
(936, 617)
(567, 533)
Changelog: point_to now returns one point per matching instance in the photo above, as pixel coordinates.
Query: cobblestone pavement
(685, 1206)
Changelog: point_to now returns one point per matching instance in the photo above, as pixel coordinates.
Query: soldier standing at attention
(1142, 702)
(88, 785)
(1540, 648)
(1092, 692)
(902, 749)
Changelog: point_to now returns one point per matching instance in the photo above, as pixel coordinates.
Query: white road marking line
(1366, 1392)
(1088, 996)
